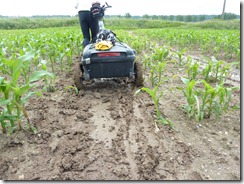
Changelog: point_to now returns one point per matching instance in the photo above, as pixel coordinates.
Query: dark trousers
(87, 24)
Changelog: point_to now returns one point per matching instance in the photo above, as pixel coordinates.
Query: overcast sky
(120, 7)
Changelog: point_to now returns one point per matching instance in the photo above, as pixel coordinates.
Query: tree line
(180, 18)
(184, 18)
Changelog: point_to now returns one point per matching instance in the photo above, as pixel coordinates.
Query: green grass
(114, 23)
(33, 23)
(215, 24)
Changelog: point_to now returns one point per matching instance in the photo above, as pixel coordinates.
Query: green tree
(189, 18)
(194, 18)
(180, 18)
(154, 17)
(146, 16)
(227, 16)
(128, 15)
(162, 17)
(202, 18)
(171, 17)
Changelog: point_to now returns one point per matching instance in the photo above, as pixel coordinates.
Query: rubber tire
(138, 73)
(77, 76)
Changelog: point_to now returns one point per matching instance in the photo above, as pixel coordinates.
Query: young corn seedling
(208, 96)
(6, 113)
(217, 70)
(11, 100)
(69, 53)
(72, 88)
(160, 54)
(77, 46)
(224, 71)
(156, 74)
(6, 119)
(206, 72)
(192, 70)
(149, 65)
(153, 75)
(36, 53)
(14, 93)
(146, 61)
(225, 96)
(60, 59)
(202, 103)
(189, 60)
(27, 58)
(47, 79)
(180, 56)
(160, 68)
(139, 44)
(52, 55)
(193, 106)
(153, 94)
(215, 99)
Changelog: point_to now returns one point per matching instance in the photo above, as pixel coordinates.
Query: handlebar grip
(108, 6)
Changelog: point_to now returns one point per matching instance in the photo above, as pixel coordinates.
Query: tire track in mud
(113, 115)
(115, 127)
(124, 132)
(103, 133)
(125, 141)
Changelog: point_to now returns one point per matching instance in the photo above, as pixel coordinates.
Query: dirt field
(107, 133)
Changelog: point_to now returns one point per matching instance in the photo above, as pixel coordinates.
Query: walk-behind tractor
(109, 57)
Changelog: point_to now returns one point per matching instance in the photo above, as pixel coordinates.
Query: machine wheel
(77, 76)
(138, 73)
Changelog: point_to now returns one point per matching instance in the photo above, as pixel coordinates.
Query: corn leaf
(39, 74)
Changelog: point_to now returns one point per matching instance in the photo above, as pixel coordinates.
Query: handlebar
(107, 6)
(98, 10)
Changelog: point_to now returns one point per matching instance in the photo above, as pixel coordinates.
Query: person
(87, 22)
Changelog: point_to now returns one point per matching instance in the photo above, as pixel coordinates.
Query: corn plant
(201, 103)
(14, 93)
(52, 54)
(69, 54)
(160, 54)
(192, 70)
(6, 113)
(217, 70)
(192, 106)
(72, 89)
(180, 56)
(156, 72)
(155, 97)
(156, 64)
(60, 58)
(215, 99)
(146, 61)
(153, 76)
(206, 72)
(47, 79)
(221, 43)
(160, 68)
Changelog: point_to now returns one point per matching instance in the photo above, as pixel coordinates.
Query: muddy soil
(107, 133)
